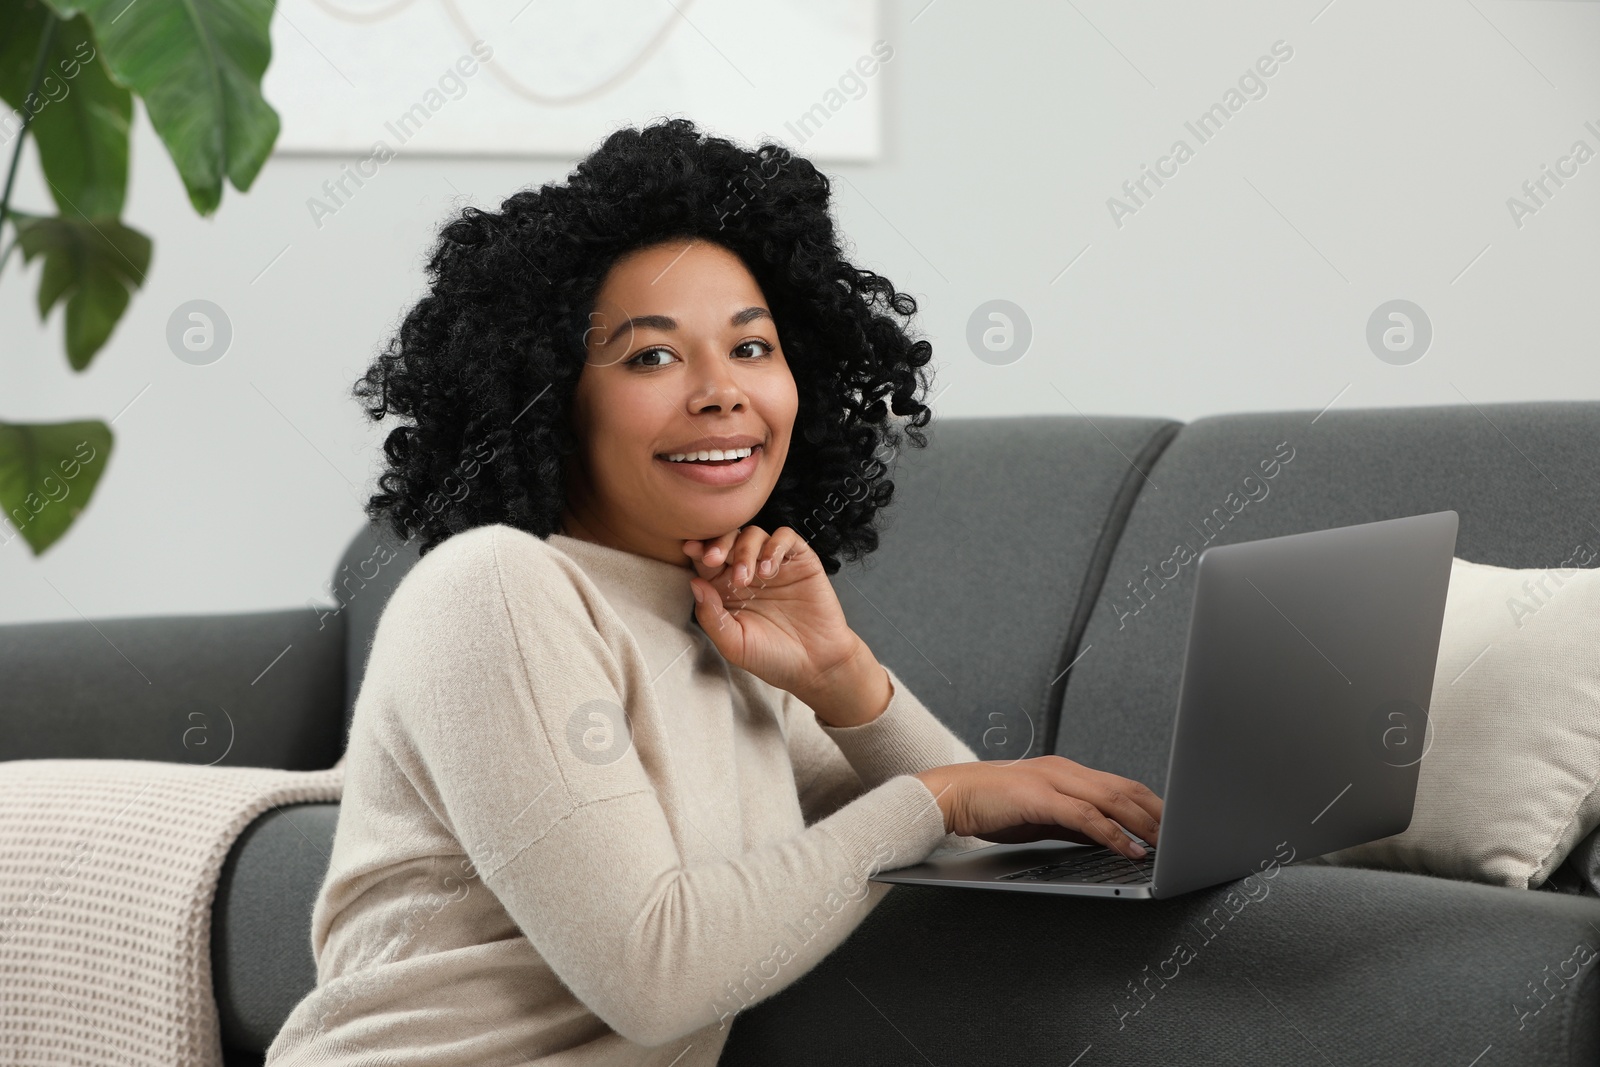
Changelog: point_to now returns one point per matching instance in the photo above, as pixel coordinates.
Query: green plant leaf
(93, 263)
(197, 65)
(48, 472)
(80, 116)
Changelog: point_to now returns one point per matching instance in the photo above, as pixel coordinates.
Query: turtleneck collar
(630, 580)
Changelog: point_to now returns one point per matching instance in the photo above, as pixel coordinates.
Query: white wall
(1377, 166)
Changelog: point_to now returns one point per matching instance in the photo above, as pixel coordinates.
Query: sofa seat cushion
(1326, 965)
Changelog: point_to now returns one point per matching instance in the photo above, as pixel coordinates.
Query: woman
(618, 767)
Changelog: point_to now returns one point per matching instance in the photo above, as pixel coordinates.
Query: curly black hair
(486, 364)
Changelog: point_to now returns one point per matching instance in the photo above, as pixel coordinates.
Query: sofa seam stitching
(1122, 505)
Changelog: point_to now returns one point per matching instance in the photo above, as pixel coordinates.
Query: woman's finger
(1076, 813)
(742, 556)
(1138, 792)
(710, 555)
(784, 545)
(716, 621)
(1116, 800)
(717, 548)
(1131, 803)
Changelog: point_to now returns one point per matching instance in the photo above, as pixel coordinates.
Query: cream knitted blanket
(108, 869)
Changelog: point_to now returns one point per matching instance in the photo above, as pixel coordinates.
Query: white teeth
(715, 453)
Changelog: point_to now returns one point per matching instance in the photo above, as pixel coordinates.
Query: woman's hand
(766, 603)
(1045, 798)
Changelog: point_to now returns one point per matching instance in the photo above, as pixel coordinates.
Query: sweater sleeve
(512, 715)
(904, 739)
(835, 764)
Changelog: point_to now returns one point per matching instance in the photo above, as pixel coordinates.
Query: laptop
(1302, 717)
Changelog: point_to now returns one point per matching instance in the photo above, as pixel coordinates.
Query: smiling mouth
(715, 473)
(727, 462)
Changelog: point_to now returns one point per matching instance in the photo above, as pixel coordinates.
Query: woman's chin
(702, 527)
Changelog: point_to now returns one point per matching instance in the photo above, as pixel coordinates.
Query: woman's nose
(716, 385)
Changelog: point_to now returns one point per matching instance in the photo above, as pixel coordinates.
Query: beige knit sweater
(572, 833)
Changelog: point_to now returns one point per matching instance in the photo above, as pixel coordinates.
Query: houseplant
(70, 69)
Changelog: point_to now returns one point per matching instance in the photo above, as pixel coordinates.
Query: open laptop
(1301, 721)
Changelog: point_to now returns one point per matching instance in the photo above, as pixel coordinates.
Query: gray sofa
(1013, 550)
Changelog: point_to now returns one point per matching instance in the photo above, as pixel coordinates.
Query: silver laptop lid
(1302, 713)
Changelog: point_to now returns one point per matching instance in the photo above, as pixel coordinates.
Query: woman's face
(681, 353)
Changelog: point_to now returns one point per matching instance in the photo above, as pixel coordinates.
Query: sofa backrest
(1520, 476)
(245, 689)
(994, 543)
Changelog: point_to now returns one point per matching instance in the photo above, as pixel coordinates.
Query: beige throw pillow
(1507, 785)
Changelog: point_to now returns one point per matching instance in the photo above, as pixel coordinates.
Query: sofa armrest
(261, 921)
(1327, 965)
(259, 689)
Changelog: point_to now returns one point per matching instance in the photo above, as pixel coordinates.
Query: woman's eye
(639, 359)
(762, 345)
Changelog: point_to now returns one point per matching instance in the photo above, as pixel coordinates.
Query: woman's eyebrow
(667, 322)
(749, 314)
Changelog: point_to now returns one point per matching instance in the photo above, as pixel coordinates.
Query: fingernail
(768, 566)
(741, 573)
(698, 599)
(1136, 848)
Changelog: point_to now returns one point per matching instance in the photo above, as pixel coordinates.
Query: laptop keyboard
(1099, 866)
